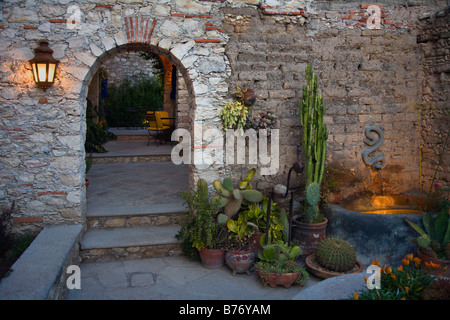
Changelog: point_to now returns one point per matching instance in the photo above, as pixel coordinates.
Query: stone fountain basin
(385, 236)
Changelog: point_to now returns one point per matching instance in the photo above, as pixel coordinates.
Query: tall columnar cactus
(315, 135)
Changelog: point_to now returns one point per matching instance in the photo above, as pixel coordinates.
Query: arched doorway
(134, 200)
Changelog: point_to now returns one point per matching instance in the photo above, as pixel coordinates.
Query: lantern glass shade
(44, 66)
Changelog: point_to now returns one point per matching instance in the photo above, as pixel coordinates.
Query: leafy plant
(407, 282)
(256, 213)
(280, 258)
(234, 115)
(240, 232)
(5, 223)
(436, 235)
(315, 135)
(97, 133)
(200, 228)
(128, 102)
(231, 199)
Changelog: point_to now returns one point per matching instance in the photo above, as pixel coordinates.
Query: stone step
(131, 158)
(129, 243)
(134, 216)
(129, 150)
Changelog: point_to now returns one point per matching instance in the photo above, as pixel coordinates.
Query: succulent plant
(231, 198)
(315, 135)
(335, 254)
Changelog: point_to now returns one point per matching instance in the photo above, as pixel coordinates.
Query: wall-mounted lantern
(43, 65)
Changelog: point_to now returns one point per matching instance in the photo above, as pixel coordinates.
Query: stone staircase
(142, 218)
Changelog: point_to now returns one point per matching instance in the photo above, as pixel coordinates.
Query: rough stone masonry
(372, 68)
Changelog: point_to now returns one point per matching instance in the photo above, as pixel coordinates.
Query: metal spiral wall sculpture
(378, 162)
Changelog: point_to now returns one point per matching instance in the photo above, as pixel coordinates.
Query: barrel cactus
(335, 254)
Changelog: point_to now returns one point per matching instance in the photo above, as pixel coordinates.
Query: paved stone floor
(127, 185)
(172, 278)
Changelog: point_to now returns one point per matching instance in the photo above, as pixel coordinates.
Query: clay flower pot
(274, 279)
(323, 273)
(240, 261)
(212, 258)
(308, 235)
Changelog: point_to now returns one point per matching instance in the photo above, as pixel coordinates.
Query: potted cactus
(310, 226)
(333, 257)
(239, 256)
(277, 266)
(201, 230)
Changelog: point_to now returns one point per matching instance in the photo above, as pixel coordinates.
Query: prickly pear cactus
(232, 198)
(335, 254)
(313, 194)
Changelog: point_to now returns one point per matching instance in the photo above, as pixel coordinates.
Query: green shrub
(128, 102)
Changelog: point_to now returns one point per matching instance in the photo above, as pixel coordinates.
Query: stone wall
(127, 65)
(434, 40)
(367, 76)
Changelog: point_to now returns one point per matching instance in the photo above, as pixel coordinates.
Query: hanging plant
(234, 115)
(246, 96)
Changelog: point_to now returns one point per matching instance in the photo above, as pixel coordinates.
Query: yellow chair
(156, 127)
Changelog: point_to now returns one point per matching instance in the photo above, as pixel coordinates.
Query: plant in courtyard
(335, 254)
(240, 232)
(256, 213)
(200, 228)
(279, 258)
(314, 142)
(234, 115)
(127, 102)
(231, 199)
(407, 282)
(435, 236)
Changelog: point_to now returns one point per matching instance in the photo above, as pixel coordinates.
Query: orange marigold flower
(393, 276)
(417, 261)
(376, 262)
(405, 262)
(400, 268)
(410, 256)
(388, 270)
(356, 296)
(403, 298)
(406, 289)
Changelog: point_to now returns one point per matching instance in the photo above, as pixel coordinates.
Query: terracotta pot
(322, 273)
(240, 261)
(308, 235)
(438, 271)
(274, 279)
(212, 258)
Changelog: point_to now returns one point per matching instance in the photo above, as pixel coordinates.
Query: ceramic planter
(240, 261)
(212, 258)
(444, 265)
(322, 273)
(308, 235)
(274, 279)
